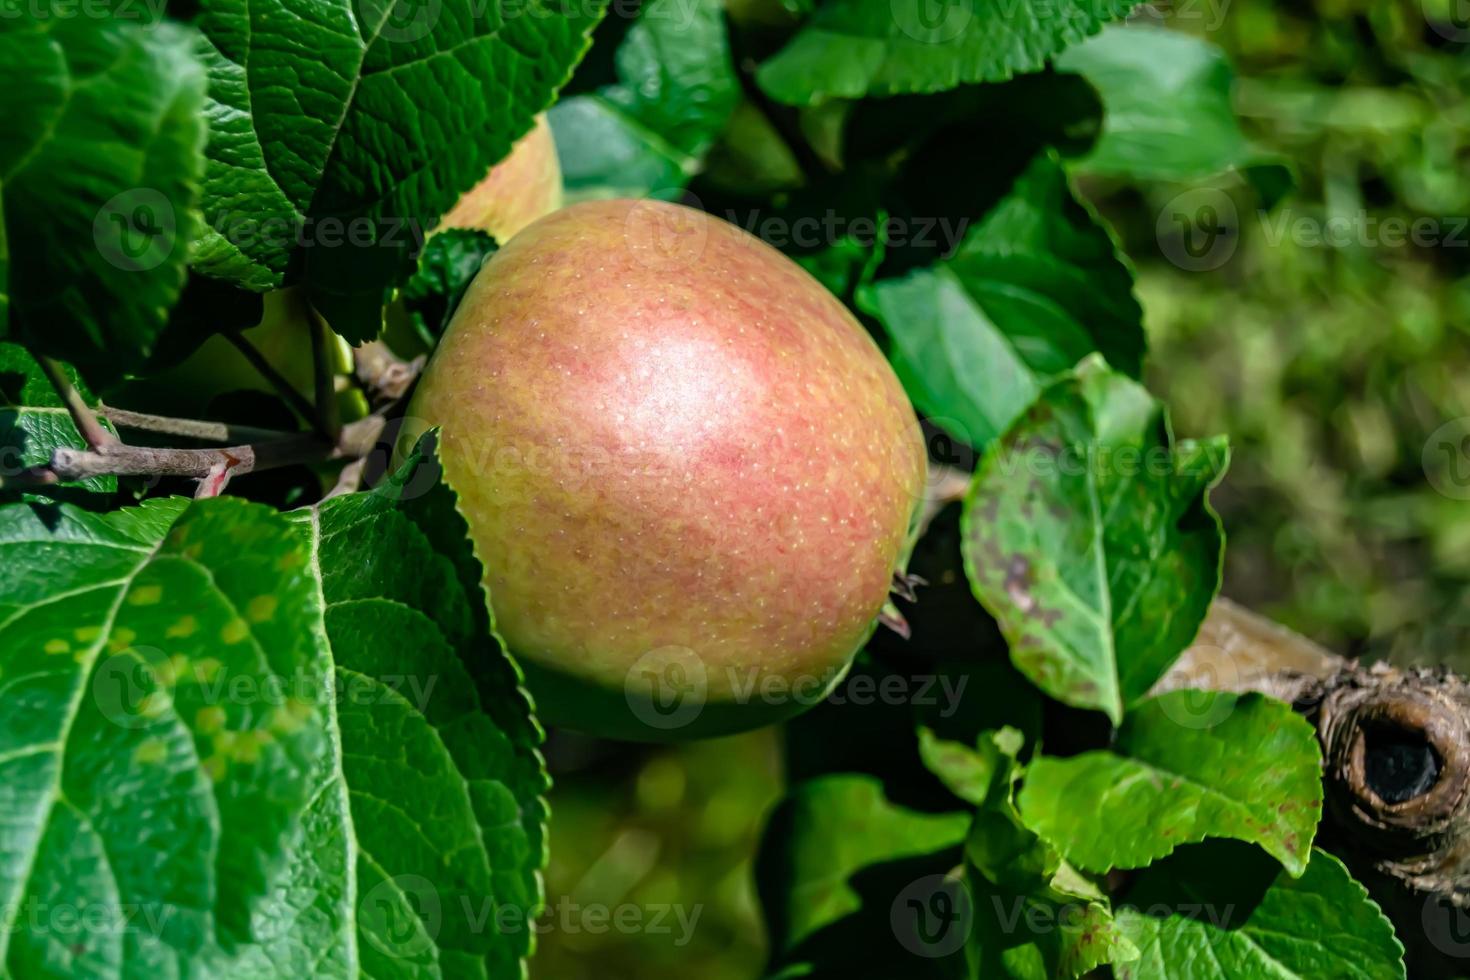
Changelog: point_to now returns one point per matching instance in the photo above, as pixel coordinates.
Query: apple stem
(386, 376)
(325, 396)
(93, 431)
(284, 388)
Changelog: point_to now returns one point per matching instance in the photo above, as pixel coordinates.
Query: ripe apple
(689, 473)
(517, 190)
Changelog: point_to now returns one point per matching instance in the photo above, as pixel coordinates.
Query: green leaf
(963, 740)
(33, 421)
(648, 132)
(1166, 99)
(856, 48)
(842, 868)
(353, 126)
(1034, 288)
(1229, 913)
(100, 161)
(1089, 537)
(444, 728)
(1035, 916)
(292, 742)
(131, 778)
(446, 265)
(1249, 769)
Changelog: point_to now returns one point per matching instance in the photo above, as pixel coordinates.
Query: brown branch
(95, 434)
(386, 376)
(284, 388)
(355, 441)
(189, 428)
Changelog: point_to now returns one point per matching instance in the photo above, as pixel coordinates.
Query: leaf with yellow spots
(243, 718)
(115, 742)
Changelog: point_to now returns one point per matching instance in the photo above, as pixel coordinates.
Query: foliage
(279, 726)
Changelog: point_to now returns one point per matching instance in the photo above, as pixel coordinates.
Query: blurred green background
(1330, 366)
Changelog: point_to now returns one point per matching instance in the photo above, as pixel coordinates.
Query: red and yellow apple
(517, 190)
(688, 472)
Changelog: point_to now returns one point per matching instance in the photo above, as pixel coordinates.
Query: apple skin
(682, 462)
(519, 189)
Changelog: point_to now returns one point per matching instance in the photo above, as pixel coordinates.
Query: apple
(517, 190)
(687, 470)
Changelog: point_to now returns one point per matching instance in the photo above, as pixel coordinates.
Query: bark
(1396, 769)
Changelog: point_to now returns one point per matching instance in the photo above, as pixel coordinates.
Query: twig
(213, 484)
(355, 441)
(188, 428)
(349, 480)
(284, 388)
(386, 376)
(324, 395)
(946, 484)
(95, 434)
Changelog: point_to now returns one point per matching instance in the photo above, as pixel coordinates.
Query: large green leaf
(649, 131)
(100, 160)
(351, 127)
(131, 778)
(1232, 914)
(1089, 537)
(1034, 288)
(1249, 769)
(33, 421)
(850, 880)
(1166, 101)
(289, 745)
(855, 48)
